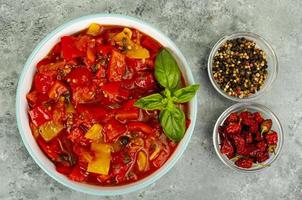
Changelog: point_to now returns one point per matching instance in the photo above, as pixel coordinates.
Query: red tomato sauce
(81, 108)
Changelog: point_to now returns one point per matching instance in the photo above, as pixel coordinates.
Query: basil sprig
(171, 117)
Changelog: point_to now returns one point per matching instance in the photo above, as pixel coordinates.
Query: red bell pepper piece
(95, 111)
(271, 138)
(39, 115)
(244, 162)
(140, 126)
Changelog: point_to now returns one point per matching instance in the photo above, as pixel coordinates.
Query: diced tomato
(113, 129)
(57, 90)
(51, 149)
(56, 50)
(145, 81)
(81, 43)
(78, 173)
(77, 136)
(150, 44)
(69, 48)
(83, 94)
(117, 66)
(114, 91)
(43, 82)
(104, 49)
(140, 64)
(39, 115)
(160, 159)
(63, 169)
(44, 61)
(140, 126)
(79, 76)
(35, 98)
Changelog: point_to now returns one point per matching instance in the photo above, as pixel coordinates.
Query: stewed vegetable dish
(104, 109)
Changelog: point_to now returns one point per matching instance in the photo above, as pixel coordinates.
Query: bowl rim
(103, 190)
(255, 36)
(244, 105)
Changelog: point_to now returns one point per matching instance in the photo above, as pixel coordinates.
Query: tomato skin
(95, 111)
(69, 49)
(44, 61)
(145, 81)
(150, 44)
(140, 126)
(117, 66)
(43, 82)
(113, 129)
(139, 64)
(39, 115)
(79, 76)
(114, 91)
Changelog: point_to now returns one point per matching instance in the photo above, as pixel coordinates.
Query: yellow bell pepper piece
(50, 130)
(138, 52)
(101, 162)
(93, 29)
(86, 156)
(132, 49)
(95, 132)
(70, 108)
(141, 161)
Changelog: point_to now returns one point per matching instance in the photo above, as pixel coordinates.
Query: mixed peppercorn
(247, 138)
(240, 68)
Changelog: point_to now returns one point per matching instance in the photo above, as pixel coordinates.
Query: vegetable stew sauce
(81, 106)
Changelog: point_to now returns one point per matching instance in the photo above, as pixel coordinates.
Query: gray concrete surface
(194, 26)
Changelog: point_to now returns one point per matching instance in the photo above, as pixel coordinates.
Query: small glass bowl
(266, 114)
(271, 57)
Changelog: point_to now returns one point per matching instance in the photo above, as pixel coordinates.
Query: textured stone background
(194, 26)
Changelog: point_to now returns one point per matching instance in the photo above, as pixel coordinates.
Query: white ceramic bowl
(25, 82)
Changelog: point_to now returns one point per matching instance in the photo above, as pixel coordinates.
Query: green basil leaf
(151, 102)
(167, 72)
(173, 122)
(184, 95)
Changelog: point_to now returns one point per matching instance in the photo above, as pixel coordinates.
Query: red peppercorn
(271, 138)
(254, 128)
(233, 117)
(262, 146)
(227, 148)
(233, 129)
(246, 115)
(249, 122)
(262, 156)
(258, 118)
(258, 136)
(244, 162)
